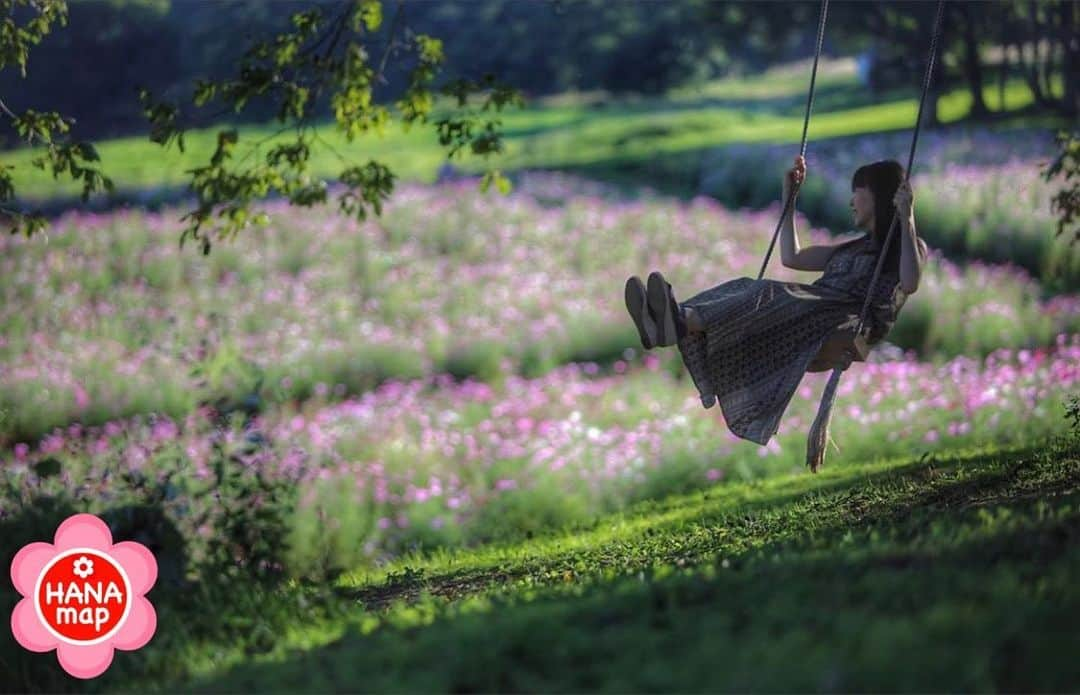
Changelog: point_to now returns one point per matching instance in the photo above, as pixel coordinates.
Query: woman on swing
(747, 343)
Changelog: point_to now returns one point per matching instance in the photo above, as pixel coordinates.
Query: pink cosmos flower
(129, 565)
(82, 398)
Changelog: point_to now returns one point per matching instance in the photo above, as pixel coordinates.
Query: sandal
(636, 305)
(670, 322)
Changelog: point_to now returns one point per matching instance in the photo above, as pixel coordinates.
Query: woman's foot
(636, 305)
(670, 322)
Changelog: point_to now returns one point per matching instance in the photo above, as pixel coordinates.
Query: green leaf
(7, 184)
(205, 90)
(367, 13)
(226, 141)
(16, 41)
(87, 152)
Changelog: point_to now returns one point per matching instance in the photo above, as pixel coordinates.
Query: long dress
(761, 335)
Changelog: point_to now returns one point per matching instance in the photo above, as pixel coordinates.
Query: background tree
(1041, 36)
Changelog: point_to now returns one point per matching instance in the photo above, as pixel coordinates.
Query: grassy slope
(607, 138)
(951, 574)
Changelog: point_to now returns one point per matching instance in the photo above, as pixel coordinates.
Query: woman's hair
(882, 178)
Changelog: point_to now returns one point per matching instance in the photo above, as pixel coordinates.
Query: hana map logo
(83, 596)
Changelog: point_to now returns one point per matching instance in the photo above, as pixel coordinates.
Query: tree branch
(6, 110)
(334, 24)
(398, 13)
(341, 22)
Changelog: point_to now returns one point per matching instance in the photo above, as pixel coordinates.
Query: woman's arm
(912, 256)
(791, 255)
(789, 243)
(912, 249)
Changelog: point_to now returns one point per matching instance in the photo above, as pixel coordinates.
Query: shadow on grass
(951, 586)
(731, 523)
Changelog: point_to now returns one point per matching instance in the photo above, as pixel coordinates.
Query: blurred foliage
(1066, 202)
(26, 24)
(1072, 412)
(324, 59)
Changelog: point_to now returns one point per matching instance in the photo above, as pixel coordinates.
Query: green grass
(955, 573)
(609, 136)
(779, 82)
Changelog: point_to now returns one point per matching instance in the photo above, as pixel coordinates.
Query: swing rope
(819, 431)
(806, 125)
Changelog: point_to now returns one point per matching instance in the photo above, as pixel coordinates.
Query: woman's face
(862, 207)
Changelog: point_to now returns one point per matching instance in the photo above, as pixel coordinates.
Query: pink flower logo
(83, 596)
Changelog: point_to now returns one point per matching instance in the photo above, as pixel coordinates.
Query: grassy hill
(953, 574)
(950, 573)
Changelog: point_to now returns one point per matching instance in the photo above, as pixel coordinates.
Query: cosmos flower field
(461, 369)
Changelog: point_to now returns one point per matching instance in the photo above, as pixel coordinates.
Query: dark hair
(882, 178)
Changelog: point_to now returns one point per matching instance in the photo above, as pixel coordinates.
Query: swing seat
(840, 349)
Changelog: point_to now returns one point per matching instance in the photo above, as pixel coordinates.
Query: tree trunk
(972, 66)
(1046, 71)
(1004, 39)
(1003, 70)
(1030, 68)
(1070, 44)
(1046, 64)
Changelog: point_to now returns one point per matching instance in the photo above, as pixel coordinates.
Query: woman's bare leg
(693, 321)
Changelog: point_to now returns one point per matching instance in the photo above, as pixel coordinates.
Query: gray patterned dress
(761, 335)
